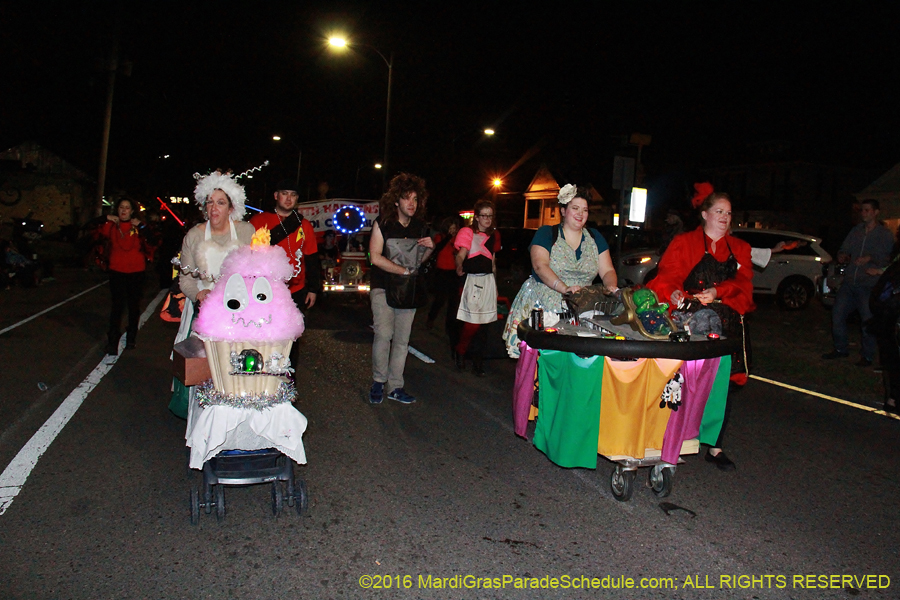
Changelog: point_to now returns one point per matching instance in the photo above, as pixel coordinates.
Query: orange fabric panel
(630, 418)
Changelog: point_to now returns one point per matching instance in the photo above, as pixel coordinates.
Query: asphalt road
(441, 488)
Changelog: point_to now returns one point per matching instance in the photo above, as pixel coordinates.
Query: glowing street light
(340, 42)
(489, 131)
(498, 182)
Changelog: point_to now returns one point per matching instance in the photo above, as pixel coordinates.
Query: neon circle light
(349, 219)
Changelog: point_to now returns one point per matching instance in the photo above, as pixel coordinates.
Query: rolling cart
(601, 396)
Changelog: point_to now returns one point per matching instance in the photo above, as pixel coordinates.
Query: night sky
(211, 83)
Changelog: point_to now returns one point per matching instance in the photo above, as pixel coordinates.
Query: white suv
(793, 275)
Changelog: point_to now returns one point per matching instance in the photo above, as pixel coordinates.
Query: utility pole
(112, 67)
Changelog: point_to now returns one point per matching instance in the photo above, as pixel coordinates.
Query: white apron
(478, 303)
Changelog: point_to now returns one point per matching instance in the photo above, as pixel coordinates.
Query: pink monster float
(248, 324)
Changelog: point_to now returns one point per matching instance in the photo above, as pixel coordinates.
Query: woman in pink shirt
(475, 247)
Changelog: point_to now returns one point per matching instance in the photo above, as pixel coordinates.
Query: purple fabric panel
(523, 389)
(684, 424)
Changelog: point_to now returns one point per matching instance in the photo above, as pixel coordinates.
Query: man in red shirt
(298, 239)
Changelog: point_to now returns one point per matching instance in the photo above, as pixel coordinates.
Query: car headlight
(636, 260)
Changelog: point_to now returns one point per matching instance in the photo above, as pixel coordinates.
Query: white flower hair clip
(566, 194)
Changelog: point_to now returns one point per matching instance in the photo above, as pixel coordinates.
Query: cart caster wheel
(662, 478)
(277, 498)
(195, 506)
(207, 499)
(621, 482)
(301, 497)
(220, 503)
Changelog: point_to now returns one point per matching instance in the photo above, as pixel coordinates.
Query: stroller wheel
(301, 498)
(195, 506)
(207, 498)
(289, 495)
(220, 503)
(277, 498)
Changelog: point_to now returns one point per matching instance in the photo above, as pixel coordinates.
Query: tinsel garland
(208, 395)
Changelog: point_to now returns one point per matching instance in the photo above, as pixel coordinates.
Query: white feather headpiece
(566, 194)
(207, 184)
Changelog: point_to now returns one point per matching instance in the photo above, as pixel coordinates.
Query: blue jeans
(851, 298)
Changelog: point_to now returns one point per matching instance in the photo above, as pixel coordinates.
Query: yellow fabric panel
(630, 418)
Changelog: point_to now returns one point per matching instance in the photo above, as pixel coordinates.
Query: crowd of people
(706, 268)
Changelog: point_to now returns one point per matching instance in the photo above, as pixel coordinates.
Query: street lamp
(341, 42)
(278, 138)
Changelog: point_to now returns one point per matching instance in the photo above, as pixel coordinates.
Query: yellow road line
(826, 397)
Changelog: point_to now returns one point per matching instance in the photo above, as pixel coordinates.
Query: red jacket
(125, 253)
(685, 252)
(303, 239)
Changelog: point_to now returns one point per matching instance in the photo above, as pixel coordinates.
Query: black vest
(392, 230)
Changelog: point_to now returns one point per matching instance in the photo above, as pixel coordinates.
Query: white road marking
(423, 357)
(16, 473)
(46, 310)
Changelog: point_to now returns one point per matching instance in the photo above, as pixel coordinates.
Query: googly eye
(236, 298)
(262, 290)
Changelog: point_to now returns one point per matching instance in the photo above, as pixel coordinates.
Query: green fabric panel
(181, 394)
(568, 421)
(714, 413)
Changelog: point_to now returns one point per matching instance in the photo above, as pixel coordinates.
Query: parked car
(792, 276)
(640, 253)
(514, 257)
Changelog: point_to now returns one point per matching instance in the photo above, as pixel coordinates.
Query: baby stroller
(237, 446)
(248, 467)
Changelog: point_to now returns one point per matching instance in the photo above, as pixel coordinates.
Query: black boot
(460, 360)
(478, 367)
(112, 343)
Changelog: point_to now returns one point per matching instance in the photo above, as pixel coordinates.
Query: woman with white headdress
(564, 258)
(204, 248)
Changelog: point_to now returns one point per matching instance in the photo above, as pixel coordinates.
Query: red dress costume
(677, 267)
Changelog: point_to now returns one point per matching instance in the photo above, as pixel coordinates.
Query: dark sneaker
(721, 461)
(401, 396)
(376, 393)
(835, 354)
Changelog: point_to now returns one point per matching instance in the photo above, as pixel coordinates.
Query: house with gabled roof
(541, 207)
(36, 183)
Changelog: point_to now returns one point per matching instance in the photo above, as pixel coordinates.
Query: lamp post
(341, 42)
(278, 138)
